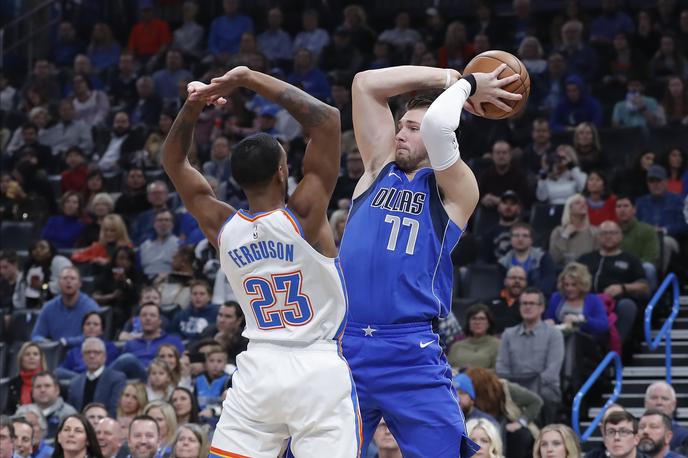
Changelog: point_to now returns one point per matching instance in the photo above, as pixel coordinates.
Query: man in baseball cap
(464, 389)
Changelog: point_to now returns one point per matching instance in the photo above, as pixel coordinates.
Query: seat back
(21, 325)
(17, 235)
(544, 218)
(483, 281)
(54, 353)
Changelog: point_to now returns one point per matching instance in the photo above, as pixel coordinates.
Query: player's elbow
(434, 123)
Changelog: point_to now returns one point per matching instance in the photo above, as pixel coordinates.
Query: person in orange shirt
(151, 35)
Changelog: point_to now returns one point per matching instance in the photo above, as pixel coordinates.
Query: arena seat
(4, 392)
(53, 351)
(620, 144)
(3, 358)
(544, 218)
(21, 325)
(482, 281)
(17, 235)
(106, 315)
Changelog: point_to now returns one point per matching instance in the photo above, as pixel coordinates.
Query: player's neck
(259, 203)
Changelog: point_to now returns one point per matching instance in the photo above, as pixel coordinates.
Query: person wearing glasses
(538, 264)
(620, 436)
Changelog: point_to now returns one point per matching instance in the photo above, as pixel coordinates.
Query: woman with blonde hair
(560, 176)
(513, 406)
(131, 403)
(485, 434)
(337, 223)
(557, 441)
(166, 418)
(113, 234)
(30, 361)
(575, 236)
(531, 54)
(191, 441)
(100, 205)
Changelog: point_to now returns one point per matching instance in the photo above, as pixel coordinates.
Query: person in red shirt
(74, 178)
(601, 204)
(151, 35)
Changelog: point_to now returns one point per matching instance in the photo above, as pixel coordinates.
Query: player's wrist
(470, 79)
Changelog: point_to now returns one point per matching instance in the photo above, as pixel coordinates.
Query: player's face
(410, 152)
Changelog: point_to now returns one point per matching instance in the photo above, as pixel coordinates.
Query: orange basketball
(487, 62)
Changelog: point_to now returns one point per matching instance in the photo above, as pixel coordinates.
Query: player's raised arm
(195, 191)
(454, 177)
(321, 121)
(373, 120)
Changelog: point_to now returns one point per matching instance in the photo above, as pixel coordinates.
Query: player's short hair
(423, 99)
(255, 160)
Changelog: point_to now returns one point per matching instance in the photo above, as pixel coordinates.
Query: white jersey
(287, 290)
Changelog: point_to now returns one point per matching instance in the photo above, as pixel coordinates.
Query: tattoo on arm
(307, 110)
(181, 133)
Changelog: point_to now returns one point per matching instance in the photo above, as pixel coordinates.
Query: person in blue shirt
(409, 209)
(64, 230)
(209, 385)
(661, 208)
(654, 433)
(575, 107)
(167, 79)
(61, 317)
(226, 31)
(191, 322)
(275, 43)
(306, 75)
(73, 363)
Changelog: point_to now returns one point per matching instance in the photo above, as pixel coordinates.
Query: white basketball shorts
(285, 390)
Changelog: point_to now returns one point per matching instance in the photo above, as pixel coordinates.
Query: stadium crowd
(124, 334)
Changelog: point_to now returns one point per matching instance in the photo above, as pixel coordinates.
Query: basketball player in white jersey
(281, 263)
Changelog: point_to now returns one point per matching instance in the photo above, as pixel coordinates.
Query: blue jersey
(396, 250)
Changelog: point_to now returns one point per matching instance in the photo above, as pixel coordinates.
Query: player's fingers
(508, 80)
(478, 107)
(501, 105)
(509, 95)
(498, 70)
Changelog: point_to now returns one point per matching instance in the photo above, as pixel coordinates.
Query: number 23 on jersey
(279, 301)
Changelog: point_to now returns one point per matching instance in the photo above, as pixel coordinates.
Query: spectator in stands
(611, 22)
(170, 354)
(23, 437)
(131, 403)
(150, 35)
(95, 184)
(210, 384)
(274, 42)
(539, 147)
(67, 45)
(456, 50)
(503, 175)
(586, 143)
(531, 353)
(344, 189)
(639, 238)
(185, 405)
(118, 286)
(109, 434)
(33, 414)
(42, 272)
(148, 107)
(94, 412)
(67, 132)
(557, 441)
(618, 274)
(532, 55)
(227, 329)
(341, 55)
(620, 435)
(122, 82)
(156, 253)
(64, 230)
(30, 138)
(218, 165)
(103, 50)
(160, 381)
(632, 181)
(42, 80)
(74, 177)
(675, 161)
(38, 117)
(480, 347)
(535, 261)
(385, 442)
(113, 234)
(191, 441)
(356, 20)
(157, 195)
(514, 407)
(11, 286)
(138, 352)
(191, 322)
(554, 87)
(98, 383)
(90, 106)
(164, 415)
(505, 309)
(188, 37)
(575, 107)
(575, 236)
(133, 201)
(624, 64)
(306, 75)
(402, 36)
(153, 145)
(661, 208)
(675, 101)
(226, 31)
(167, 79)
(463, 385)
(144, 437)
(32, 189)
(337, 222)
(560, 177)
(118, 144)
(654, 431)
(668, 60)
(484, 433)
(497, 241)
(580, 57)
(662, 396)
(638, 110)
(46, 395)
(601, 203)
(30, 361)
(61, 318)
(100, 205)
(73, 363)
(574, 307)
(311, 37)
(174, 287)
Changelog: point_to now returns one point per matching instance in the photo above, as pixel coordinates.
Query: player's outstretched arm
(454, 177)
(195, 191)
(320, 164)
(373, 120)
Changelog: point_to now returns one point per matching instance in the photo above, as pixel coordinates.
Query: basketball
(487, 62)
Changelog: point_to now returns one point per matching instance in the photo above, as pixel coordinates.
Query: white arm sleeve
(440, 122)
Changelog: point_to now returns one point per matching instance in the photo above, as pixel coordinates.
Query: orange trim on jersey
(222, 453)
(241, 214)
(291, 220)
(286, 213)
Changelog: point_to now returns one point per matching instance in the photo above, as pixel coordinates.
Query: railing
(575, 410)
(665, 331)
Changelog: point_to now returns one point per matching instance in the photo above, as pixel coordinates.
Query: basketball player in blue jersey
(409, 209)
(281, 263)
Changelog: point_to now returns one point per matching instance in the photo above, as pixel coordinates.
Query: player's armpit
(460, 189)
(195, 191)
